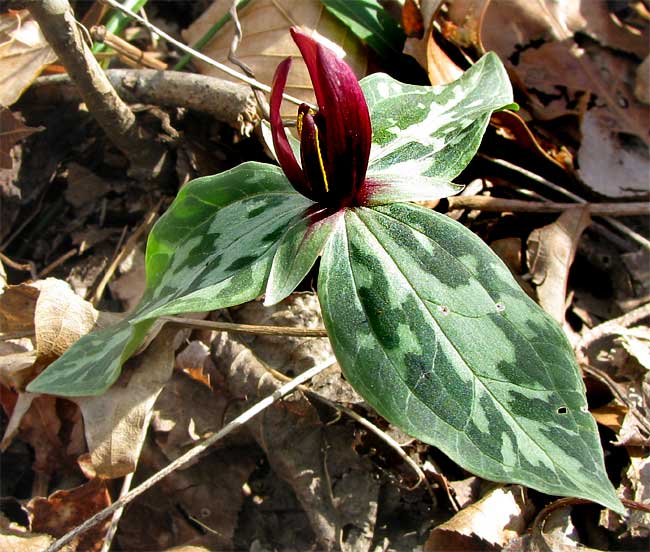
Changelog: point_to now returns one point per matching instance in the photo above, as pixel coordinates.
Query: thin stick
(58, 262)
(541, 180)
(244, 328)
(25, 267)
(110, 534)
(487, 203)
(149, 219)
(192, 453)
(236, 74)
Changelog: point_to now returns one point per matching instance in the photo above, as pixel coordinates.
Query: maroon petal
(283, 151)
(343, 112)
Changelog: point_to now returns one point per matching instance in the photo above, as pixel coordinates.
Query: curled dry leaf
(116, 422)
(557, 533)
(489, 524)
(24, 53)
(62, 511)
(266, 41)
(551, 250)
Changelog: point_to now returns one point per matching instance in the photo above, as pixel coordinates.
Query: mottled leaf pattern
(297, 253)
(432, 330)
(433, 131)
(213, 248)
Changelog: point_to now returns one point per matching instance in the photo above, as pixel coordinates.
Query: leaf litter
(302, 466)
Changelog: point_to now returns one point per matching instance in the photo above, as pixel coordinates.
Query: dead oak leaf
(62, 511)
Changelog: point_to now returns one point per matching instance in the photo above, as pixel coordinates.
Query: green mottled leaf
(369, 21)
(387, 187)
(432, 330)
(297, 253)
(433, 131)
(213, 248)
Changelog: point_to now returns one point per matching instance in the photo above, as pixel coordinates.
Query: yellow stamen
(320, 159)
(299, 123)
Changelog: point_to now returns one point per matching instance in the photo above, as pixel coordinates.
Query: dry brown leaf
(116, 422)
(195, 506)
(185, 412)
(418, 48)
(129, 286)
(24, 53)
(551, 250)
(17, 306)
(505, 27)
(610, 415)
(16, 538)
(266, 41)
(636, 486)
(12, 130)
(611, 163)
(39, 425)
(294, 355)
(195, 361)
(62, 511)
(558, 534)
(13, 425)
(490, 523)
(84, 186)
(61, 317)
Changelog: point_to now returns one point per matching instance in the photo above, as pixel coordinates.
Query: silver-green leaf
(432, 330)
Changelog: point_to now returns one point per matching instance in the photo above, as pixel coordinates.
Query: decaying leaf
(24, 53)
(129, 285)
(12, 130)
(551, 250)
(197, 506)
(294, 355)
(266, 41)
(558, 533)
(501, 515)
(61, 317)
(16, 538)
(296, 421)
(65, 510)
(635, 485)
(116, 422)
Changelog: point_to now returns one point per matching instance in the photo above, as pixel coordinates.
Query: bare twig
(110, 534)
(622, 228)
(244, 328)
(126, 49)
(25, 267)
(56, 20)
(192, 454)
(198, 55)
(487, 203)
(58, 262)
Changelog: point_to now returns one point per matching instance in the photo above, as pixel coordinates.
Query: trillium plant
(428, 325)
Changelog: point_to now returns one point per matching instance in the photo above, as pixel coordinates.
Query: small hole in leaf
(443, 309)
(562, 410)
(205, 513)
(584, 408)
(500, 307)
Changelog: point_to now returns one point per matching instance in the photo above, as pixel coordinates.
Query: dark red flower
(335, 140)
